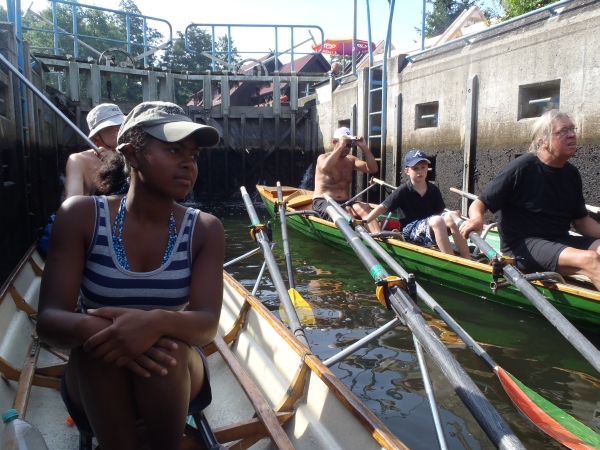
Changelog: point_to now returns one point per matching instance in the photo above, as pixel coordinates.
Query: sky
(335, 17)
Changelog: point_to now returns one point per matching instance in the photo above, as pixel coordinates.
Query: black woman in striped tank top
(133, 287)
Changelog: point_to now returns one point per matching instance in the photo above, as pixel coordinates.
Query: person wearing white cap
(334, 175)
(104, 122)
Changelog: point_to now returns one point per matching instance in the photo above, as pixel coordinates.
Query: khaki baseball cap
(168, 122)
(103, 116)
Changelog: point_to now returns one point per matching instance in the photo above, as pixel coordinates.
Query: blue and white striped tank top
(106, 283)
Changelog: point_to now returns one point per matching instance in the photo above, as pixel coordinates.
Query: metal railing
(215, 54)
(77, 37)
(469, 37)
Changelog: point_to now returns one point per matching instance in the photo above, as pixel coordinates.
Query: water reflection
(385, 375)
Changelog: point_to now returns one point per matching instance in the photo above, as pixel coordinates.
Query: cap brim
(110, 122)
(419, 160)
(176, 131)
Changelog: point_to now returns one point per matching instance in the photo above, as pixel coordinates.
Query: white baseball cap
(343, 131)
(103, 116)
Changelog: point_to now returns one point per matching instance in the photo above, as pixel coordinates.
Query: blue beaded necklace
(118, 240)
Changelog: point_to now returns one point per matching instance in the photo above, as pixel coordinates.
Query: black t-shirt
(411, 206)
(534, 200)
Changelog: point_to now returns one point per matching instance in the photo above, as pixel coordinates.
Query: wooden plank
(226, 152)
(252, 428)
(21, 304)
(300, 201)
(243, 132)
(54, 370)
(93, 84)
(73, 80)
(167, 88)
(293, 148)
(263, 410)
(261, 139)
(277, 123)
(272, 148)
(152, 80)
(16, 272)
(470, 148)
(26, 379)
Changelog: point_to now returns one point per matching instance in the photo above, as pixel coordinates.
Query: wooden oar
(488, 418)
(548, 417)
(305, 312)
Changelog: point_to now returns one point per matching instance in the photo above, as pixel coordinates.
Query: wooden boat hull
(315, 408)
(578, 304)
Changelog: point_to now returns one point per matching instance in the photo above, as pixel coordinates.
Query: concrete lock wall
(528, 58)
(29, 186)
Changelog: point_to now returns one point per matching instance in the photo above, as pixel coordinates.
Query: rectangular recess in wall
(426, 115)
(536, 99)
(3, 94)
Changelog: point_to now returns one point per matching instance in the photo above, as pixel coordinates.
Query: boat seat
(300, 200)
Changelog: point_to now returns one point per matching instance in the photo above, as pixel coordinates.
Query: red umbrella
(342, 45)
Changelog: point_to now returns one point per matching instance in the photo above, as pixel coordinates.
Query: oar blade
(547, 416)
(303, 309)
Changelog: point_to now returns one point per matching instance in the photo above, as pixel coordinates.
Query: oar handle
(382, 183)
(464, 194)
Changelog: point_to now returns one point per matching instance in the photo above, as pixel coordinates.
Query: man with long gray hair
(539, 196)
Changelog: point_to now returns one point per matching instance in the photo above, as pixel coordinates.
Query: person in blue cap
(421, 209)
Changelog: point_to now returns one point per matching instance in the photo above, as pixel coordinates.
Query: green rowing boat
(578, 301)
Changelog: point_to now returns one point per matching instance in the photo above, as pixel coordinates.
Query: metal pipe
(47, 101)
(284, 297)
(439, 429)
(362, 342)
(354, 37)
(423, 25)
(240, 258)
(488, 418)
(543, 100)
(360, 193)
(284, 237)
(258, 280)
(468, 37)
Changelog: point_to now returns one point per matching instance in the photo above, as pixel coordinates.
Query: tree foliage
(443, 13)
(103, 29)
(3, 14)
(514, 8)
(178, 58)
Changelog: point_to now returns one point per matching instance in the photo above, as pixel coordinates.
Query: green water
(385, 375)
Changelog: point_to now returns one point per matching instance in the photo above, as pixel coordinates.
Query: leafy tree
(514, 8)
(178, 58)
(3, 14)
(99, 26)
(443, 13)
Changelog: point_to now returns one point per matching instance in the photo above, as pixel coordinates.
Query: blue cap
(414, 156)
(9, 415)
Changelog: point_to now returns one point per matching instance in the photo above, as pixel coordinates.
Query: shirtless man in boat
(104, 122)
(540, 196)
(334, 175)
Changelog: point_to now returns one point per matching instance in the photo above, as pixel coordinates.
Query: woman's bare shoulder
(208, 231)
